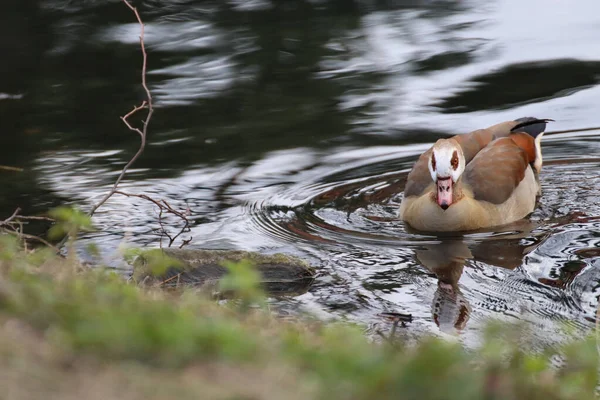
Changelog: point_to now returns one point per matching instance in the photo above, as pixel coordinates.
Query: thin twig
(21, 235)
(162, 228)
(170, 279)
(182, 230)
(9, 168)
(185, 242)
(13, 225)
(38, 239)
(34, 218)
(145, 104)
(160, 205)
(13, 216)
(165, 207)
(130, 113)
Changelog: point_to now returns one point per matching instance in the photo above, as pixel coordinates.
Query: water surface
(291, 127)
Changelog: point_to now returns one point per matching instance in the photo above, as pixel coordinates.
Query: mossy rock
(280, 274)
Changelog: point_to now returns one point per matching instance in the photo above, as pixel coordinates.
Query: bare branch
(137, 15)
(170, 279)
(33, 218)
(165, 208)
(9, 219)
(13, 225)
(22, 235)
(145, 104)
(9, 168)
(130, 113)
(185, 242)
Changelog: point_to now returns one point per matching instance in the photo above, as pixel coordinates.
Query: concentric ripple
(543, 270)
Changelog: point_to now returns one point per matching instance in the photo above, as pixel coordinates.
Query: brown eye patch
(454, 160)
(433, 161)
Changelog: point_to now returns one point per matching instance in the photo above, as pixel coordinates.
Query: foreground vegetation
(71, 332)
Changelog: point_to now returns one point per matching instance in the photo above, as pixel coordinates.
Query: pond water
(291, 126)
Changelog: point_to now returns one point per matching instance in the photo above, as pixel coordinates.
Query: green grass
(69, 329)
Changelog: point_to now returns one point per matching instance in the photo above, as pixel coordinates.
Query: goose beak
(444, 192)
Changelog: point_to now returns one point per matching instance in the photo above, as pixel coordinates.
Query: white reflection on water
(368, 264)
(494, 35)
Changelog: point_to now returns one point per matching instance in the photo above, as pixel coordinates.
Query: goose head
(446, 165)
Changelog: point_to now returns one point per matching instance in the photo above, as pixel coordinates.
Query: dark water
(290, 126)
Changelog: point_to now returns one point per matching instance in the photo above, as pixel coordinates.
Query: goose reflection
(447, 259)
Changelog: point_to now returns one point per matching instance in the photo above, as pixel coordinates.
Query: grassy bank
(68, 332)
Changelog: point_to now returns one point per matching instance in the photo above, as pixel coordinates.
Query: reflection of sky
(198, 77)
(495, 35)
(228, 199)
(195, 78)
(492, 36)
(176, 36)
(250, 5)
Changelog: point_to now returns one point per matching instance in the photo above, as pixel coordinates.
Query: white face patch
(446, 161)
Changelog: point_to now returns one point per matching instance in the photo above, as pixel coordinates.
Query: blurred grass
(77, 333)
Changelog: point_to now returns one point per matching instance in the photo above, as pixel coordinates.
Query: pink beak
(444, 192)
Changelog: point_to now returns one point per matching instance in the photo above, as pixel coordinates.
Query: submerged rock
(280, 274)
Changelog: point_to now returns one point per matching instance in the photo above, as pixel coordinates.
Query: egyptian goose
(478, 180)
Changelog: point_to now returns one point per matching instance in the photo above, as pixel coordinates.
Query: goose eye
(454, 160)
(433, 161)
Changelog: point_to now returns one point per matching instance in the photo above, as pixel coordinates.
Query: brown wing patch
(525, 142)
(473, 142)
(419, 177)
(496, 171)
